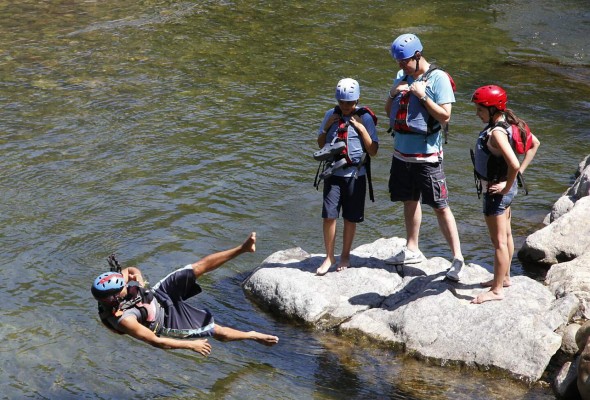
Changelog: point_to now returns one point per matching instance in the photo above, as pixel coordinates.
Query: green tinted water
(166, 130)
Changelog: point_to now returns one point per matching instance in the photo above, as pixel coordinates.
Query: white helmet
(348, 90)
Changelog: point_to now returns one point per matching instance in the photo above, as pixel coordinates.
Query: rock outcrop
(567, 236)
(420, 312)
(417, 310)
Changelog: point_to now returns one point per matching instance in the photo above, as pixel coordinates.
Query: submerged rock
(417, 310)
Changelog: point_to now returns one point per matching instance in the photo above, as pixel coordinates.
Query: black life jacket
(493, 168)
(137, 297)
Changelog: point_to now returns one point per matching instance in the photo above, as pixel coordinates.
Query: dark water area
(164, 131)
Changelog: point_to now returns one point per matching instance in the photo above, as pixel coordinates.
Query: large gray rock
(417, 309)
(563, 240)
(579, 189)
(572, 277)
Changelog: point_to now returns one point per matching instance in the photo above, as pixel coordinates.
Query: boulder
(572, 277)
(563, 240)
(416, 309)
(580, 188)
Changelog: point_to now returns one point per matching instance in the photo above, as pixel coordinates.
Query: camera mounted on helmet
(114, 263)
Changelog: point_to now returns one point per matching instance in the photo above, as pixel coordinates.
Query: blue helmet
(106, 286)
(405, 46)
(348, 90)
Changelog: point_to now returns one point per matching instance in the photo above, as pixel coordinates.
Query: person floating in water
(160, 316)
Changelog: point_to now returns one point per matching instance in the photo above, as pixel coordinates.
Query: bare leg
(348, 237)
(329, 228)
(215, 260)
(510, 243)
(448, 227)
(413, 219)
(225, 334)
(498, 233)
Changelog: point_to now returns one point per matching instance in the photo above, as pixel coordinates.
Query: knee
(220, 333)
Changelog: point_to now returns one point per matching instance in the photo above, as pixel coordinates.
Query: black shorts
(347, 194)
(182, 320)
(418, 181)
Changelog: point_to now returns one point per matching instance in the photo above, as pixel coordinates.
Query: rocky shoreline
(417, 310)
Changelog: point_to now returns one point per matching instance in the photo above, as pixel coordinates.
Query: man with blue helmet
(160, 316)
(419, 108)
(345, 180)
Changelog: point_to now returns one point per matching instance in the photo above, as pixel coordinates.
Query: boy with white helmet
(345, 186)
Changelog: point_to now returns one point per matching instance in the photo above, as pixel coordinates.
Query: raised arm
(133, 274)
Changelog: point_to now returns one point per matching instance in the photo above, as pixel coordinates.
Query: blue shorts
(182, 320)
(347, 194)
(418, 181)
(496, 204)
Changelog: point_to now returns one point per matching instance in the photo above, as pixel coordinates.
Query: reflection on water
(163, 131)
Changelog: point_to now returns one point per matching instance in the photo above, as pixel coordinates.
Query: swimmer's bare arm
(132, 327)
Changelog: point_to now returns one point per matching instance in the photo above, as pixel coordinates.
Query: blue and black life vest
(488, 166)
(137, 297)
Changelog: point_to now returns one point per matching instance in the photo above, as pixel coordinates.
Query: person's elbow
(373, 149)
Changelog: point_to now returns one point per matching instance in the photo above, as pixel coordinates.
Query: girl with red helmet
(497, 166)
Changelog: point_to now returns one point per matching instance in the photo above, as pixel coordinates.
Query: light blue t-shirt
(416, 147)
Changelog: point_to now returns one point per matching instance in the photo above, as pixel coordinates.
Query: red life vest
(401, 117)
(342, 131)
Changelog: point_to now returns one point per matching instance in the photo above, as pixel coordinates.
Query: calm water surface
(165, 130)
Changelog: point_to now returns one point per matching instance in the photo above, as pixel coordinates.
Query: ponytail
(512, 119)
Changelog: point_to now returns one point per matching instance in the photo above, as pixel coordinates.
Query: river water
(166, 130)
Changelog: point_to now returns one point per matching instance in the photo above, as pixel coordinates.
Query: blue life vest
(409, 115)
(353, 152)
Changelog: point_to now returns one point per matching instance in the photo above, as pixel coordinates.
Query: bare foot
(262, 338)
(323, 269)
(249, 245)
(490, 283)
(487, 296)
(342, 266)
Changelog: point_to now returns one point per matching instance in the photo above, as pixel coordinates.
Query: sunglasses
(405, 61)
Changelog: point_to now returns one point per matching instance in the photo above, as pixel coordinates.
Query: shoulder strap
(364, 110)
(434, 67)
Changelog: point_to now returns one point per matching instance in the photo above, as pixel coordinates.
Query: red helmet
(490, 96)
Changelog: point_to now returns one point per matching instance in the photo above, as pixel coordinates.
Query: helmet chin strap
(417, 57)
(492, 111)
